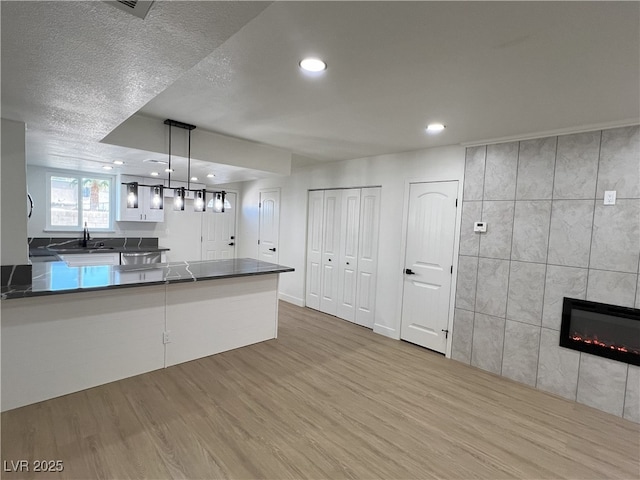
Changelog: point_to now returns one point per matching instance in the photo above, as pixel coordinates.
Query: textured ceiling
(76, 70)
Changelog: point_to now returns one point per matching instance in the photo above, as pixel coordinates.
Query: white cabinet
(342, 252)
(144, 212)
(90, 259)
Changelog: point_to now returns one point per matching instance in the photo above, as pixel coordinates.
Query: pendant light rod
(186, 126)
(169, 177)
(189, 163)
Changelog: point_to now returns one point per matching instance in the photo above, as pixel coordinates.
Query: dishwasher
(140, 258)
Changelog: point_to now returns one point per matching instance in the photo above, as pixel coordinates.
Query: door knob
(408, 271)
(231, 244)
(272, 249)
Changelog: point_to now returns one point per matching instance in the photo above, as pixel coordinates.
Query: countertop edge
(18, 293)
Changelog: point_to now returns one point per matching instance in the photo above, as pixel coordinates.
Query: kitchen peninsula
(73, 328)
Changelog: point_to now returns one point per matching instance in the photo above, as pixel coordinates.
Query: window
(75, 199)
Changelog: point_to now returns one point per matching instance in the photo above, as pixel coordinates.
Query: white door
(348, 262)
(314, 248)
(219, 231)
(367, 256)
(428, 264)
(330, 257)
(269, 225)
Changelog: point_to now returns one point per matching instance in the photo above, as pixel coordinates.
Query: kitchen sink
(81, 249)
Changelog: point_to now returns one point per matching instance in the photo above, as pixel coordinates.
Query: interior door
(269, 225)
(367, 256)
(219, 231)
(330, 252)
(314, 248)
(348, 263)
(428, 264)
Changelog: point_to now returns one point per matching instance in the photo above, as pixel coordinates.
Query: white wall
(392, 172)
(180, 231)
(13, 194)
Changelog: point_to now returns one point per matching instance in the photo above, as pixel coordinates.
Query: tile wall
(549, 236)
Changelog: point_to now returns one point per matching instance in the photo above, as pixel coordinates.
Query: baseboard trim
(386, 331)
(291, 299)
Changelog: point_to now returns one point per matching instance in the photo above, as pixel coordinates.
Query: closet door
(348, 264)
(367, 256)
(330, 252)
(314, 248)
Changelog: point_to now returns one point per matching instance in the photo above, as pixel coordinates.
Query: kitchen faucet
(85, 236)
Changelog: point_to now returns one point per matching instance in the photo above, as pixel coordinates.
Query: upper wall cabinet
(143, 212)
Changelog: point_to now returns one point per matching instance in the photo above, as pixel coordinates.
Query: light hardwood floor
(327, 399)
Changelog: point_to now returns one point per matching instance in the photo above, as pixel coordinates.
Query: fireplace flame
(576, 337)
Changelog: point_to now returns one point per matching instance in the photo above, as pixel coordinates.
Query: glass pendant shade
(157, 197)
(178, 198)
(218, 202)
(132, 195)
(199, 202)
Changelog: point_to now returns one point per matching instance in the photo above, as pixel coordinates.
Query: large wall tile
(500, 171)
(615, 244)
(470, 240)
(614, 288)
(462, 336)
(632, 396)
(557, 366)
(491, 291)
(570, 234)
(466, 283)
(520, 357)
(601, 383)
(561, 282)
(496, 242)
(531, 231)
(619, 165)
(488, 337)
(526, 292)
(536, 164)
(577, 166)
(474, 173)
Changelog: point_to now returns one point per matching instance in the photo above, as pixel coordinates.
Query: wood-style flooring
(327, 399)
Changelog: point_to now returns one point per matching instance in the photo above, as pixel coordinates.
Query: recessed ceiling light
(435, 127)
(210, 175)
(313, 65)
(107, 167)
(168, 170)
(194, 179)
(154, 174)
(118, 162)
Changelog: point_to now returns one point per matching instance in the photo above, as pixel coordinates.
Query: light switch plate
(610, 197)
(480, 227)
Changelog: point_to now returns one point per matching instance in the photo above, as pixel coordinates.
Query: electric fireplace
(609, 331)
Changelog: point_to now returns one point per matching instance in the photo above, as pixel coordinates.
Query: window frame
(78, 175)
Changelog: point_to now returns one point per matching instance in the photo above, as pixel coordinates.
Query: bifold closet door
(314, 248)
(348, 264)
(330, 257)
(367, 260)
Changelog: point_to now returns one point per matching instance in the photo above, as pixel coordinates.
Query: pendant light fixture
(218, 202)
(157, 197)
(179, 193)
(199, 204)
(132, 195)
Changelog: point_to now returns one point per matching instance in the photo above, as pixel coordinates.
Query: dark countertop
(48, 249)
(54, 278)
